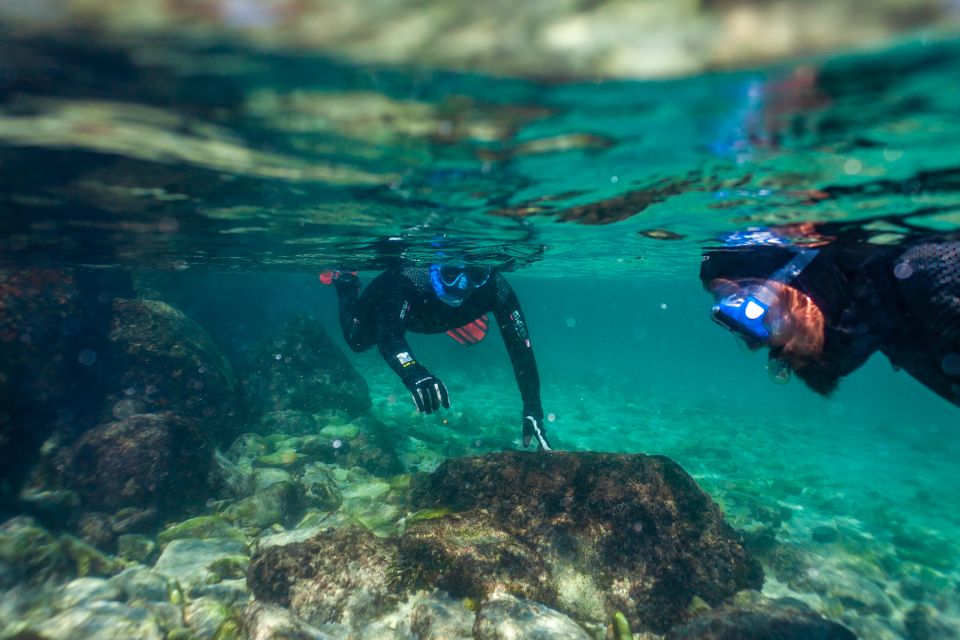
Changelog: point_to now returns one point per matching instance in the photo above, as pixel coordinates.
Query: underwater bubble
(571, 322)
(477, 444)
(337, 443)
(87, 357)
(277, 356)
(614, 179)
(202, 370)
(903, 270)
(392, 398)
(150, 389)
(951, 364)
(813, 572)
(181, 265)
(663, 305)
(551, 417)
(892, 155)
(129, 391)
(638, 527)
(125, 409)
(852, 167)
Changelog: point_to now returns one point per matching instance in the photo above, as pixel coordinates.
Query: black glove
(428, 392)
(533, 429)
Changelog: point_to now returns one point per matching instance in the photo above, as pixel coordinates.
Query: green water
(224, 179)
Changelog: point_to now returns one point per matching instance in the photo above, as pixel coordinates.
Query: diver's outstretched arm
(428, 392)
(516, 337)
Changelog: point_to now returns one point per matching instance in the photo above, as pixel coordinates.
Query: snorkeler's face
(790, 325)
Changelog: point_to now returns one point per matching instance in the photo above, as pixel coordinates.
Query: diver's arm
(516, 337)
(428, 392)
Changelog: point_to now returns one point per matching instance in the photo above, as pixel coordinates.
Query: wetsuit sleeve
(516, 337)
(391, 331)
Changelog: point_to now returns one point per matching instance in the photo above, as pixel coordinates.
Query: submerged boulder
(762, 620)
(589, 534)
(301, 369)
(165, 361)
(335, 576)
(158, 460)
(509, 617)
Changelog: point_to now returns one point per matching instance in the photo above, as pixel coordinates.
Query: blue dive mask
(747, 313)
(453, 283)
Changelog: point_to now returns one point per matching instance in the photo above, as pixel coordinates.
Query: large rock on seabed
(588, 534)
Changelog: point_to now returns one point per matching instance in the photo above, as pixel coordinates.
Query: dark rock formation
(166, 362)
(761, 621)
(53, 361)
(338, 575)
(150, 460)
(587, 533)
(303, 370)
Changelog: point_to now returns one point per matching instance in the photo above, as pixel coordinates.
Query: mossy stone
(136, 547)
(88, 560)
(201, 527)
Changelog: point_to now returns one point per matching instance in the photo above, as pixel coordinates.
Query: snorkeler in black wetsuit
(824, 304)
(453, 299)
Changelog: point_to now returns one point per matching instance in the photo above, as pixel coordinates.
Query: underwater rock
(140, 583)
(268, 622)
(338, 575)
(507, 617)
(205, 617)
(469, 556)
(634, 528)
(159, 460)
(299, 423)
(301, 369)
(192, 561)
(84, 590)
(167, 362)
(281, 503)
(320, 488)
(435, 617)
(923, 623)
(227, 592)
(767, 620)
(371, 449)
(99, 621)
(201, 527)
(30, 554)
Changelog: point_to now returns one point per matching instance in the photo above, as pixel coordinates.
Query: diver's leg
(359, 334)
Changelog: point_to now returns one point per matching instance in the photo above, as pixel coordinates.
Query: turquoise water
(222, 180)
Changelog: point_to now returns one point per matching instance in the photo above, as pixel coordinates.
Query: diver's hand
(428, 392)
(533, 429)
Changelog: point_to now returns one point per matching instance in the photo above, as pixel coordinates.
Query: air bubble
(87, 357)
(903, 270)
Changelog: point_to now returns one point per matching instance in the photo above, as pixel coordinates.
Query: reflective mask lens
(743, 314)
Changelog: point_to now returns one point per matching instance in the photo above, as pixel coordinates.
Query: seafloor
(282, 494)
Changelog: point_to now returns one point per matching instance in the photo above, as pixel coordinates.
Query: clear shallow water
(224, 179)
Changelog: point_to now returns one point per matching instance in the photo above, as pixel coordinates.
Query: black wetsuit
(398, 301)
(909, 306)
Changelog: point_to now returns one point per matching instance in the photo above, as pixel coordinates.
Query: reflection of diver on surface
(822, 306)
(452, 299)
